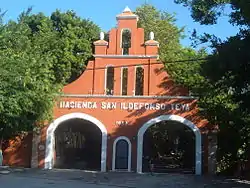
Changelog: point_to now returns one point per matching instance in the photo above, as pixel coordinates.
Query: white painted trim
(123, 17)
(101, 43)
(142, 130)
(129, 152)
(152, 44)
(129, 96)
(1, 157)
(127, 56)
(50, 138)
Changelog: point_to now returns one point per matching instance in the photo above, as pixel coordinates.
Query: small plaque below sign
(121, 123)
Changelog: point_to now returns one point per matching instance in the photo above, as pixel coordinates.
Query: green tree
(68, 37)
(166, 32)
(208, 12)
(38, 55)
(28, 89)
(223, 87)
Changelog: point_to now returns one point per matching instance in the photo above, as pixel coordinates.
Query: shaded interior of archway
(170, 147)
(78, 145)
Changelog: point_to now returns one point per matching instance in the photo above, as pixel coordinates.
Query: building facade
(123, 92)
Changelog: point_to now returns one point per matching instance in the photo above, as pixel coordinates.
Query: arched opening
(121, 154)
(175, 118)
(139, 80)
(126, 41)
(78, 145)
(124, 81)
(110, 75)
(50, 138)
(170, 147)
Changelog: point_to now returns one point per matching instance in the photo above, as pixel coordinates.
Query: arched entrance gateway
(173, 151)
(76, 140)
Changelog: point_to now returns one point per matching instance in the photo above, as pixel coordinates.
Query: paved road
(80, 179)
(26, 182)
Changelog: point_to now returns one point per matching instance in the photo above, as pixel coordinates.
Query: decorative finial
(127, 9)
(102, 36)
(151, 35)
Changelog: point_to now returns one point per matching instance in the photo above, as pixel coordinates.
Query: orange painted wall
(17, 151)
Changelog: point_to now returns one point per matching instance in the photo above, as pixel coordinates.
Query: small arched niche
(125, 41)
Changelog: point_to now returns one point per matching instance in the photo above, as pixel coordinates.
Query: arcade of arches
(168, 144)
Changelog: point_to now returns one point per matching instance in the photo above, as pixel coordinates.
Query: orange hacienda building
(122, 93)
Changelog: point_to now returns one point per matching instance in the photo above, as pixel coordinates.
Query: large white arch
(50, 138)
(129, 152)
(142, 130)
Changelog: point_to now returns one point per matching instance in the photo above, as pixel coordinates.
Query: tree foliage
(208, 12)
(28, 88)
(167, 33)
(38, 55)
(68, 37)
(163, 25)
(223, 86)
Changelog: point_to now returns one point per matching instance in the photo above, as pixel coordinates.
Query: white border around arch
(50, 138)
(114, 152)
(142, 130)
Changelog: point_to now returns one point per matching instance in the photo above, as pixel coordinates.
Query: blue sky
(103, 13)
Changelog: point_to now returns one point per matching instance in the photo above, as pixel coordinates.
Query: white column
(1, 157)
